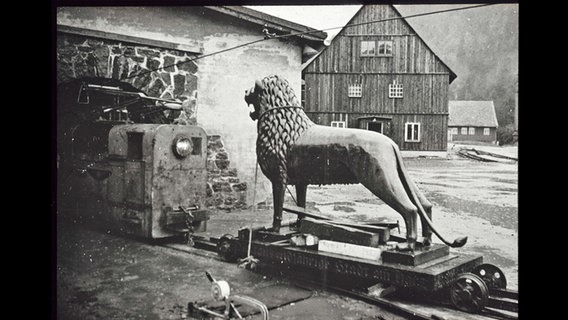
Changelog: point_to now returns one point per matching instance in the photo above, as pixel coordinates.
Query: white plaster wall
(155, 23)
(222, 110)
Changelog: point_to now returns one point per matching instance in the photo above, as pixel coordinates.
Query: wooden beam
(329, 231)
(351, 250)
(380, 35)
(383, 113)
(383, 232)
(303, 212)
(131, 39)
(382, 229)
(378, 73)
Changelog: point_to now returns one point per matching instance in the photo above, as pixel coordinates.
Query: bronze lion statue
(291, 149)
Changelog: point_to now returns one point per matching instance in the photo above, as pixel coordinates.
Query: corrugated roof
(472, 113)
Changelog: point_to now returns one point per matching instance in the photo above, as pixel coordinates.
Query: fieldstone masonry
(153, 70)
(224, 189)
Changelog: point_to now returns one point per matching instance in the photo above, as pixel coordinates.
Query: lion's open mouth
(254, 114)
(249, 99)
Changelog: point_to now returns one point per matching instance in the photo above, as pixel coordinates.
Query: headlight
(182, 146)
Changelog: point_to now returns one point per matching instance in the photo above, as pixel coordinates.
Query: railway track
(501, 304)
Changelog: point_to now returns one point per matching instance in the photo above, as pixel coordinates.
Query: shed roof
(272, 22)
(472, 113)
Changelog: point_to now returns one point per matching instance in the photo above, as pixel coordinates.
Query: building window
(412, 132)
(471, 131)
(485, 131)
(341, 121)
(376, 48)
(454, 131)
(385, 48)
(368, 48)
(395, 90)
(355, 91)
(464, 131)
(338, 124)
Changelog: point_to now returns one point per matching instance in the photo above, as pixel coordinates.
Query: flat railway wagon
(362, 260)
(143, 179)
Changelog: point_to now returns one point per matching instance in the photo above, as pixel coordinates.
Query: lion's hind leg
(427, 205)
(301, 192)
(387, 185)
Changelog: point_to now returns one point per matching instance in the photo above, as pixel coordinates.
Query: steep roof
(453, 75)
(472, 113)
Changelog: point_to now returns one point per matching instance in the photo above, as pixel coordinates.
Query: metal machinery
(144, 179)
(221, 292)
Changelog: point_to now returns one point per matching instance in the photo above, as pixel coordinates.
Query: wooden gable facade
(381, 76)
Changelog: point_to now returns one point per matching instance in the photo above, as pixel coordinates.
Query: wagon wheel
(491, 275)
(469, 293)
(226, 248)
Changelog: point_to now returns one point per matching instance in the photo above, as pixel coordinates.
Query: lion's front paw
(427, 241)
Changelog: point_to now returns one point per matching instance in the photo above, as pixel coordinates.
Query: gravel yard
(471, 198)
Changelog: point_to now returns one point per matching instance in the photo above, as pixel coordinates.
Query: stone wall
(153, 71)
(224, 189)
(148, 69)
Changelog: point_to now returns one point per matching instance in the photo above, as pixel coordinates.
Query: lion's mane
(281, 123)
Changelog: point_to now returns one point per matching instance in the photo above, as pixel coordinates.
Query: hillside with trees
(481, 46)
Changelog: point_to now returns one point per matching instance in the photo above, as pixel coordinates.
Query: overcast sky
(331, 16)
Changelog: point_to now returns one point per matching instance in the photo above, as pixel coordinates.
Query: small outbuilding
(472, 121)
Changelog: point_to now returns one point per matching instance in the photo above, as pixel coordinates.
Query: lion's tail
(459, 242)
